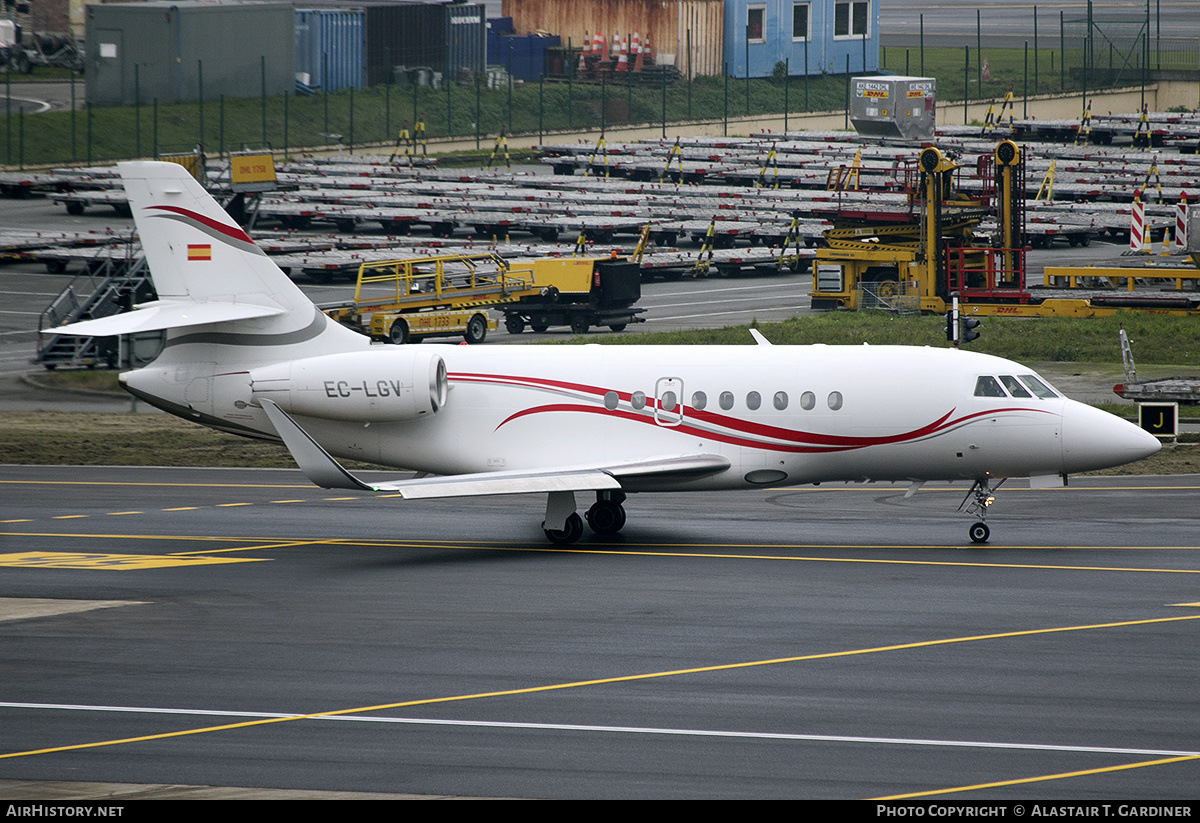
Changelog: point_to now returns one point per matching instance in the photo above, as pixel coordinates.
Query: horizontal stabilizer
(165, 314)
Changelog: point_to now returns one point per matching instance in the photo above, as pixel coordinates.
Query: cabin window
(699, 400)
(726, 400)
(780, 400)
(638, 400)
(1014, 386)
(800, 21)
(808, 401)
(988, 387)
(850, 19)
(667, 402)
(1038, 387)
(835, 400)
(753, 400)
(610, 400)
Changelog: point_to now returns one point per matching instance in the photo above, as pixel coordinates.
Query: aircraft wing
(323, 470)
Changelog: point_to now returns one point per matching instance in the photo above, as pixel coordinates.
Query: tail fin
(205, 268)
(195, 250)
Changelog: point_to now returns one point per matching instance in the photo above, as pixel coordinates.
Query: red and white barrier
(1138, 237)
(1181, 215)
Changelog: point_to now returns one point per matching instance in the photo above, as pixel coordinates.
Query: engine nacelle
(382, 385)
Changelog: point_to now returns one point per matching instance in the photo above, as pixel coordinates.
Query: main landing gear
(981, 491)
(605, 517)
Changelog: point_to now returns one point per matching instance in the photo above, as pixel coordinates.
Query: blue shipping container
(330, 48)
(524, 57)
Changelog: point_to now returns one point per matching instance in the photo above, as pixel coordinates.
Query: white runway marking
(484, 724)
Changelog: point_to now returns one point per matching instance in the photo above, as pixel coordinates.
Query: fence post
(72, 116)
(725, 105)
(628, 84)
(1025, 89)
(978, 52)
(351, 135)
(154, 145)
(847, 120)
(922, 44)
(748, 71)
(200, 88)
(966, 80)
(603, 103)
(1035, 52)
(787, 80)
(689, 75)
(263, 90)
(8, 117)
(664, 105)
(137, 110)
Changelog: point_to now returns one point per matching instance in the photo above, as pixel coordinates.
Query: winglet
(316, 463)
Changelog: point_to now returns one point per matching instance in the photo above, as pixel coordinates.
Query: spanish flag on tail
(199, 252)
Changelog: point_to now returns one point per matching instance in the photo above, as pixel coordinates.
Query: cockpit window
(1038, 387)
(1014, 386)
(988, 387)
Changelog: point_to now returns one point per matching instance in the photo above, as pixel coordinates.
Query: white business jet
(246, 352)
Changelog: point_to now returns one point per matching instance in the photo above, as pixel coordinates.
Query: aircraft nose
(1093, 439)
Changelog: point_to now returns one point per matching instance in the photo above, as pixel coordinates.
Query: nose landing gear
(981, 491)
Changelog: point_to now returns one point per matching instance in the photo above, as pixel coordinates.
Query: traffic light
(951, 329)
(969, 329)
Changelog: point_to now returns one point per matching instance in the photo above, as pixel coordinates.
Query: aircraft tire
(606, 517)
(572, 532)
(980, 533)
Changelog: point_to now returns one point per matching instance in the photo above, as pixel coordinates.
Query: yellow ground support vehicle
(404, 301)
(920, 253)
(928, 243)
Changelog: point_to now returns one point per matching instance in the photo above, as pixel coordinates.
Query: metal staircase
(112, 283)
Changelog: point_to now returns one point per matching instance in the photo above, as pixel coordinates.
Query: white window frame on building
(807, 34)
(759, 9)
(856, 11)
